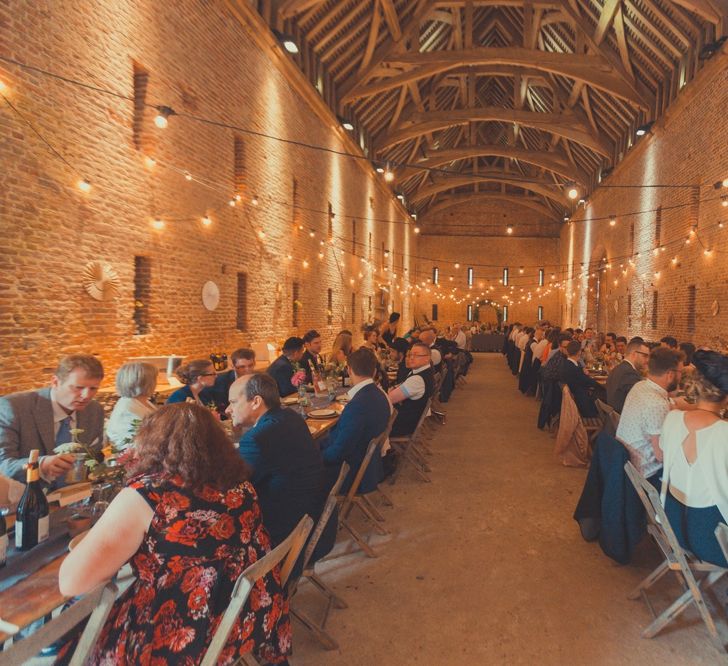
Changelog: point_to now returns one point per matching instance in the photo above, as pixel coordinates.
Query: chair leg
(649, 581)
(321, 635)
(372, 509)
(385, 499)
(334, 598)
(370, 552)
(371, 518)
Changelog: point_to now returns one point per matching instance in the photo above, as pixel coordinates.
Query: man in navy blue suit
(364, 418)
(284, 367)
(288, 473)
(581, 385)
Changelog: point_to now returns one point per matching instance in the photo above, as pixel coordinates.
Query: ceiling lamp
(163, 113)
(709, 50)
(572, 192)
(287, 41)
(509, 229)
(346, 124)
(643, 129)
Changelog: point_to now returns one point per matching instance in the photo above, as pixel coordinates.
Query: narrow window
(242, 304)
(142, 294)
(505, 277)
(384, 256)
(353, 308)
(470, 276)
(540, 278)
(239, 165)
(331, 222)
(658, 227)
(294, 203)
(655, 304)
(353, 237)
(539, 313)
(631, 239)
(141, 81)
(296, 304)
(330, 306)
(370, 305)
(371, 246)
(435, 275)
(434, 312)
(505, 314)
(691, 308)
(470, 312)
(629, 310)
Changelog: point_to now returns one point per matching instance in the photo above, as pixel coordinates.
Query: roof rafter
(456, 199)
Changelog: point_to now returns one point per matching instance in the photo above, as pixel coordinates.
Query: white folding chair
(409, 452)
(287, 552)
(683, 563)
(332, 599)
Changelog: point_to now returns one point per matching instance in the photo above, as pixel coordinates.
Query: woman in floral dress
(190, 523)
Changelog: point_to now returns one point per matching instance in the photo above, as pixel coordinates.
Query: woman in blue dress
(198, 378)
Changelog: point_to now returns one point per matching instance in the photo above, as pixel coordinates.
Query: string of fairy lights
(407, 281)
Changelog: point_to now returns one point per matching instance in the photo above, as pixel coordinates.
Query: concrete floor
(485, 565)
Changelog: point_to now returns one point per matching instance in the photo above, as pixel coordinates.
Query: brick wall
(200, 60)
(488, 256)
(687, 147)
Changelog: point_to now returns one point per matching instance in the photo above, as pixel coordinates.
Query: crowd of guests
(198, 507)
(670, 400)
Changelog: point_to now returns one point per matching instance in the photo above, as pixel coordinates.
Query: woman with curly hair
(189, 523)
(695, 459)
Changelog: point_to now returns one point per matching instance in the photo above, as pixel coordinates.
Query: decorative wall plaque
(100, 281)
(715, 308)
(210, 295)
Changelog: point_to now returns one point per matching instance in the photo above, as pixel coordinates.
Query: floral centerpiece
(106, 469)
(299, 375)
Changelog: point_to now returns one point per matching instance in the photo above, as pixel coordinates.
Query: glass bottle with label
(31, 519)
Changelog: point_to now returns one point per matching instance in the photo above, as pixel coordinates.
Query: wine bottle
(3, 539)
(31, 520)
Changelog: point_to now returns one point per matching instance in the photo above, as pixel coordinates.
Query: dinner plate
(290, 400)
(343, 398)
(322, 413)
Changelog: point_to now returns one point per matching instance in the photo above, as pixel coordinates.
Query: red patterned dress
(197, 545)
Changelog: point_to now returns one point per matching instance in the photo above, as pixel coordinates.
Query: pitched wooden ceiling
(509, 100)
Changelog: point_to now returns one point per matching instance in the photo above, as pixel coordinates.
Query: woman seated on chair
(189, 523)
(695, 449)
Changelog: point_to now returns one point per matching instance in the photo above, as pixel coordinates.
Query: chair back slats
(287, 552)
(323, 520)
(374, 444)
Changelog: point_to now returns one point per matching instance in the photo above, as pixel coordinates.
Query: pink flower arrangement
(298, 378)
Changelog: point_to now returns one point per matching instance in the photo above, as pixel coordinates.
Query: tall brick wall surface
(688, 147)
(488, 256)
(196, 57)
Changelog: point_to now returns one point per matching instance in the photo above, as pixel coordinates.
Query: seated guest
(644, 412)
(43, 419)
(428, 335)
(198, 378)
(311, 360)
(621, 380)
(287, 469)
(135, 383)
(688, 349)
(610, 344)
(364, 418)
(411, 396)
(286, 365)
(341, 348)
(243, 361)
(539, 344)
(189, 533)
(389, 328)
(694, 446)
(371, 339)
(400, 346)
(621, 345)
(580, 384)
(669, 342)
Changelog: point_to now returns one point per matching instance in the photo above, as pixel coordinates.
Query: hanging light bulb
(572, 192)
(84, 186)
(312, 233)
(261, 234)
(231, 202)
(612, 220)
(161, 120)
(388, 174)
(305, 263)
(417, 230)
(149, 161)
(188, 175)
(320, 255)
(509, 229)
(457, 265)
(206, 221)
(254, 200)
(157, 223)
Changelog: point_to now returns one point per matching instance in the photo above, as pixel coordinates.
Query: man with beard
(645, 409)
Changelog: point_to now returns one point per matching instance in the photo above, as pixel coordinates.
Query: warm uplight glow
(149, 161)
(417, 230)
(157, 223)
(613, 221)
(206, 221)
(312, 233)
(84, 185)
(509, 230)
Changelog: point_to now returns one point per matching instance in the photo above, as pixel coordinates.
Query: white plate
(290, 400)
(343, 398)
(322, 413)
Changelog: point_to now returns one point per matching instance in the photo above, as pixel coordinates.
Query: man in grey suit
(44, 418)
(624, 376)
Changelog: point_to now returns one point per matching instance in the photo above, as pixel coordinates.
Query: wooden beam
(549, 161)
(392, 20)
(495, 197)
(544, 188)
(593, 70)
(605, 19)
(566, 125)
(291, 8)
(372, 39)
(703, 8)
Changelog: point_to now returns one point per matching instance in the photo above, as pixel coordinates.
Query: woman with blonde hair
(341, 348)
(135, 383)
(694, 445)
(189, 523)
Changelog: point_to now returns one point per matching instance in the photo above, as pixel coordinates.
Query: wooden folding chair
(610, 418)
(592, 424)
(332, 599)
(95, 605)
(437, 412)
(287, 550)
(408, 450)
(683, 563)
(721, 534)
(354, 498)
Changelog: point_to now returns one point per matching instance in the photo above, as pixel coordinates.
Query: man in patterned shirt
(645, 409)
